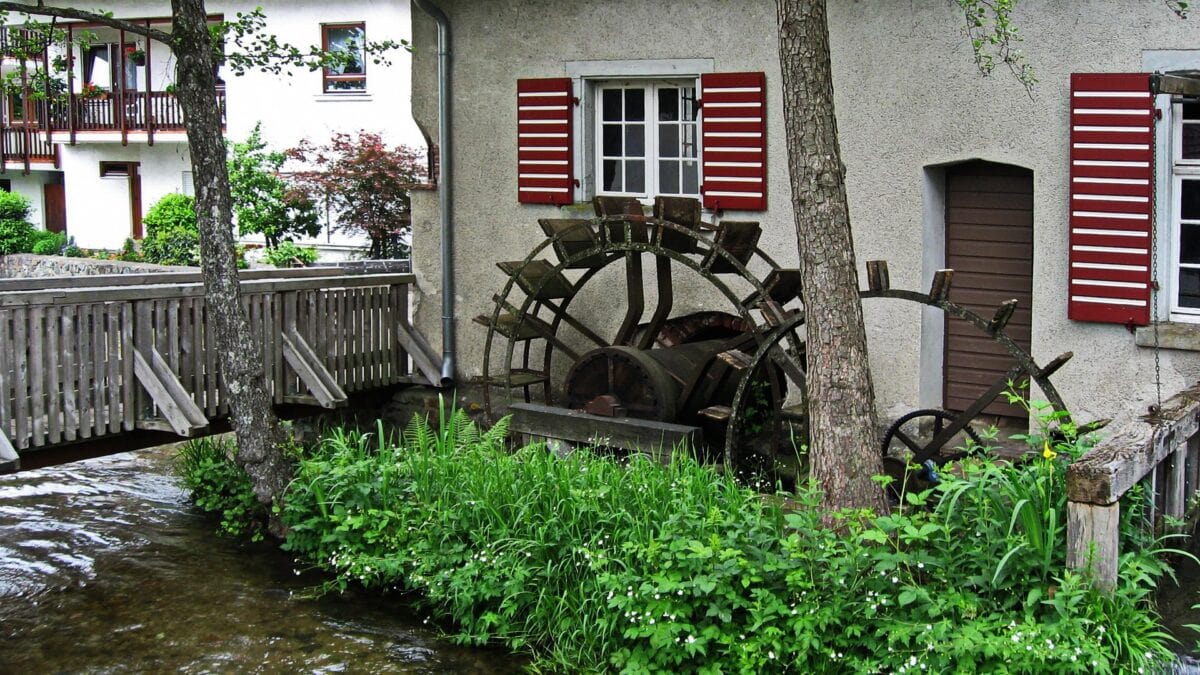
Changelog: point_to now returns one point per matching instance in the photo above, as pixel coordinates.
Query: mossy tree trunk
(843, 426)
(259, 434)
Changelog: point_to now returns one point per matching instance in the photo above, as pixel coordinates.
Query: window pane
(1191, 110)
(1190, 206)
(612, 105)
(348, 40)
(688, 99)
(1191, 140)
(668, 104)
(612, 175)
(668, 178)
(612, 140)
(635, 105)
(691, 178)
(1189, 244)
(668, 140)
(689, 146)
(635, 140)
(1189, 288)
(635, 176)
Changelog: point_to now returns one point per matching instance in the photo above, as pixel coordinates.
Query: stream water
(104, 567)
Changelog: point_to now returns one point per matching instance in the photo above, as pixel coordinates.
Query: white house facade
(94, 164)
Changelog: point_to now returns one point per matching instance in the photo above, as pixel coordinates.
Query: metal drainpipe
(444, 155)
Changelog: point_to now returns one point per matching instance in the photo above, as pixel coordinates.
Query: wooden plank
(171, 353)
(165, 291)
(400, 297)
(1176, 477)
(211, 383)
(321, 298)
(152, 278)
(1128, 454)
(185, 346)
(277, 351)
(83, 355)
(657, 438)
(112, 358)
(6, 364)
(128, 385)
(423, 356)
(172, 401)
(70, 374)
(20, 380)
(53, 376)
(37, 408)
(307, 365)
(1093, 540)
(144, 341)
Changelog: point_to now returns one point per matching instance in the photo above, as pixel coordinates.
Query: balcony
(31, 140)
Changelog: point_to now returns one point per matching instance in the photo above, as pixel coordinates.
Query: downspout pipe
(444, 186)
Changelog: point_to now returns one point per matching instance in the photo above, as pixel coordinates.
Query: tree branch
(91, 17)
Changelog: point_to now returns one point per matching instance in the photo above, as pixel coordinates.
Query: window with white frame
(646, 138)
(1185, 208)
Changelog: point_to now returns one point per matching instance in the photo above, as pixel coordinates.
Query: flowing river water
(105, 567)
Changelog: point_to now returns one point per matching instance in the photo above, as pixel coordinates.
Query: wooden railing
(1162, 450)
(18, 141)
(127, 111)
(79, 363)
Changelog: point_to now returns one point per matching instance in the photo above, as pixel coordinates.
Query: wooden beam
(423, 356)
(877, 275)
(311, 371)
(650, 436)
(1093, 541)
(1102, 476)
(939, 290)
(1176, 84)
(173, 401)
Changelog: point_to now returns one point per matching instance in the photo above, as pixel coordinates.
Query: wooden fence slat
(70, 374)
(343, 337)
(113, 311)
(211, 393)
(53, 377)
(21, 377)
(6, 363)
(128, 384)
(172, 352)
(36, 371)
(98, 370)
(277, 354)
(83, 359)
(185, 346)
(322, 344)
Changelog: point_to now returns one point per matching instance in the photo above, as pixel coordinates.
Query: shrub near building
(172, 236)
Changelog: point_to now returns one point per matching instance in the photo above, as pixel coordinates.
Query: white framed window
(646, 138)
(1185, 210)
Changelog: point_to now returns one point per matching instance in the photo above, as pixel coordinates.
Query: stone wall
(25, 265)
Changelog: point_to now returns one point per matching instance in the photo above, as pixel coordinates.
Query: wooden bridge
(87, 358)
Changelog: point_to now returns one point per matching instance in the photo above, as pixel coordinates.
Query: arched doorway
(989, 245)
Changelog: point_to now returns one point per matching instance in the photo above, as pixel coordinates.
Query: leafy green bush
(219, 486)
(48, 243)
(13, 206)
(172, 236)
(16, 236)
(590, 564)
(287, 252)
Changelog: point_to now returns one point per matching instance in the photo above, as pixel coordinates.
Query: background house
(95, 163)
(945, 169)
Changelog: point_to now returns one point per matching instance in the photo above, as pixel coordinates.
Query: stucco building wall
(909, 101)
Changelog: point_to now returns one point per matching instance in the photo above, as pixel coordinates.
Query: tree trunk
(260, 438)
(843, 427)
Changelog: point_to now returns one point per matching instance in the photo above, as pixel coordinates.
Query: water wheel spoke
(666, 299)
(635, 298)
(917, 448)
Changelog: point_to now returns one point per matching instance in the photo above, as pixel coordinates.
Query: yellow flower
(1047, 452)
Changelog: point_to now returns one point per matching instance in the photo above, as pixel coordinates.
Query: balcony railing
(124, 112)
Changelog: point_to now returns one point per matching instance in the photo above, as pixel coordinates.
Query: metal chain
(1154, 285)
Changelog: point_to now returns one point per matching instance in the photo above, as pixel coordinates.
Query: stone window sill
(1171, 335)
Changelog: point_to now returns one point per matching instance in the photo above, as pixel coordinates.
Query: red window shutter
(1112, 171)
(544, 141)
(734, 129)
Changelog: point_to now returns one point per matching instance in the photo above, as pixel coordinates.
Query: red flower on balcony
(137, 56)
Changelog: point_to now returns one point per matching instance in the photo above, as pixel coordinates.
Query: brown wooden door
(55, 197)
(989, 245)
